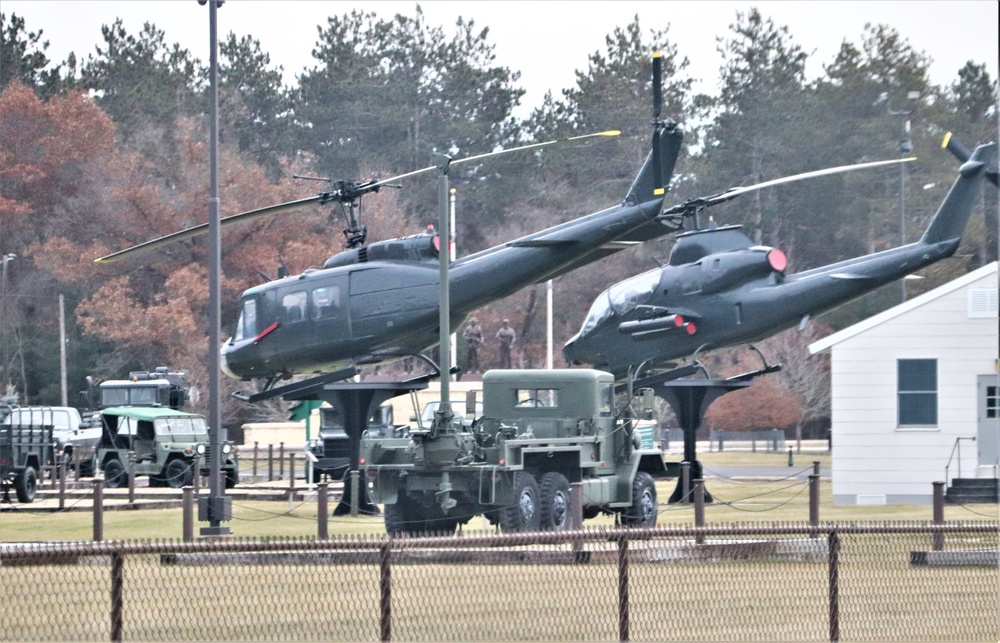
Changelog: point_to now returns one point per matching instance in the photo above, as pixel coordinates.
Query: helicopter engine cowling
(727, 270)
(418, 247)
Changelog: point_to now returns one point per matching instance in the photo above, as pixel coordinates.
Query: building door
(989, 420)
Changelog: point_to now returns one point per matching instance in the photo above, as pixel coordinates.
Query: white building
(911, 387)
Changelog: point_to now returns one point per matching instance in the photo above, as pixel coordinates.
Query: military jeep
(165, 443)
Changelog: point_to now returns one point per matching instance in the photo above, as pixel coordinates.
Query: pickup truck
(75, 437)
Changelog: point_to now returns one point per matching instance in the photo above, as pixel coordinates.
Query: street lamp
(7, 258)
(905, 148)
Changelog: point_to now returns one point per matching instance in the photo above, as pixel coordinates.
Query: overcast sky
(547, 41)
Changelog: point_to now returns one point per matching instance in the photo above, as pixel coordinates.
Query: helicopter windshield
(621, 298)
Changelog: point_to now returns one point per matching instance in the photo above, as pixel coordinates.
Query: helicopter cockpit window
(326, 302)
(633, 292)
(294, 304)
(599, 311)
(246, 327)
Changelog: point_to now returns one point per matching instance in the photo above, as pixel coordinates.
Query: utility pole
(905, 148)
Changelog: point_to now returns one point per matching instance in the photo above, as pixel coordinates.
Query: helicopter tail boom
(949, 221)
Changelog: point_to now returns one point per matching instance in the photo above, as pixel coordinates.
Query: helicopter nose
(570, 352)
(224, 364)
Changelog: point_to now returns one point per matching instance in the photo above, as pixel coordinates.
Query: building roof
(903, 308)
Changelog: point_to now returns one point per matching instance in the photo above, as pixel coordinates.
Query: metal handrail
(950, 457)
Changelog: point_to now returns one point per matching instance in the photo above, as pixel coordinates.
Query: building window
(992, 403)
(917, 392)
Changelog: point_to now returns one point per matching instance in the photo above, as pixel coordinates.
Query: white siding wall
(871, 457)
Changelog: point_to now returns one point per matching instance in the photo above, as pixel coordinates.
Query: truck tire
(179, 474)
(232, 475)
(644, 508)
(555, 502)
(114, 474)
(523, 514)
(26, 485)
(398, 518)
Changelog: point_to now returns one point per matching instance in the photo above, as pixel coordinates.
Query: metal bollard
(98, 508)
(790, 461)
(938, 541)
(699, 508)
(131, 477)
(322, 510)
(187, 518)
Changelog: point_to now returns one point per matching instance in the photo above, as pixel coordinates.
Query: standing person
(473, 336)
(506, 335)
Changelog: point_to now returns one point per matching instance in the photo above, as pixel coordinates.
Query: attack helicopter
(379, 301)
(718, 289)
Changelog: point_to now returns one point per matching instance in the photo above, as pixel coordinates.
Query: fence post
(291, 477)
(938, 542)
(699, 507)
(281, 461)
(256, 450)
(834, 576)
(196, 478)
(623, 606)
(814, 498)
(791, 462)
(188, 514)
(131, 477)
(322, 509)
(61, 469)
(117, 581)
(385, 598)
(98, 508)
(270, 463)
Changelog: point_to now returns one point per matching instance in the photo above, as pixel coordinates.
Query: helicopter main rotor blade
(732, 193)
(478, 157)
(197, 230)
(348, 192)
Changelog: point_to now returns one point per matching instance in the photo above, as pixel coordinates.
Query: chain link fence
(902, 582)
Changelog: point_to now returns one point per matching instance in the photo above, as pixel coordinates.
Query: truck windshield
(181, 426)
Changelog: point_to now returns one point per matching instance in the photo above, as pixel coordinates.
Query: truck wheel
(524, 514)
(232, 475)
(179, 474)
(555, 502)
(396, 518)
(88, 467)
(643, 511)
(114, 474)
(26, 484)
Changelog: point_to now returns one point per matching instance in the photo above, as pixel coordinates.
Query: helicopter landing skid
(297, 387)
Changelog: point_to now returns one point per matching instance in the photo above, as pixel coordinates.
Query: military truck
(541, 431)
(165, 442)
(160, 387)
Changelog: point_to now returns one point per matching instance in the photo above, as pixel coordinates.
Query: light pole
(905, 148)
(7, 258)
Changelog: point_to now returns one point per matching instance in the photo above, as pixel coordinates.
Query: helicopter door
(328, 312)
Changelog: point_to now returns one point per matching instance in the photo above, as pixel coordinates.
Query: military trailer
(165, 442)
(24, 450)
(541, 431)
